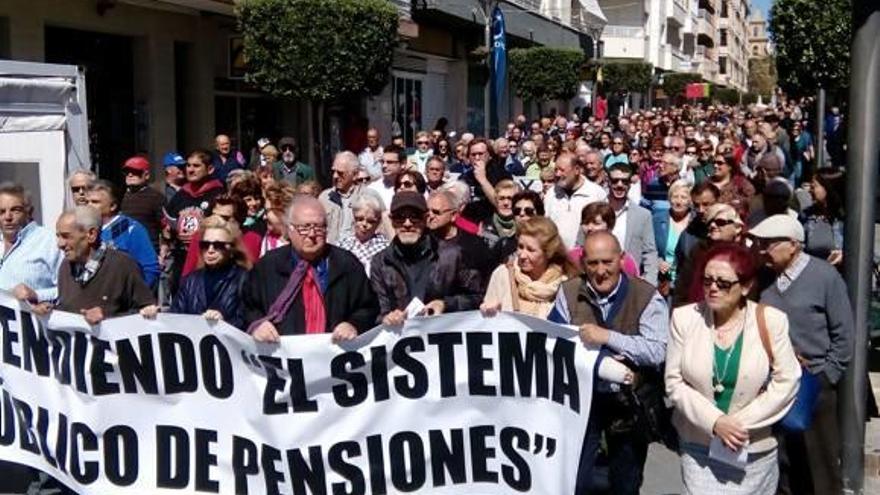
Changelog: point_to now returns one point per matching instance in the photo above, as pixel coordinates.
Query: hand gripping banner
(448, 405)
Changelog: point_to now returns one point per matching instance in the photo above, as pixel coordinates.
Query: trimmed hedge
(543, 73)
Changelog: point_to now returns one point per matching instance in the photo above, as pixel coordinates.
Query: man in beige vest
(627, 319)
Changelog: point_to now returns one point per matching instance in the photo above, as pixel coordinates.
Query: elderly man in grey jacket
(633, 228)
(813, 295)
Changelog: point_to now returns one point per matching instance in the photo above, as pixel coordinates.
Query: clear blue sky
(763, 6)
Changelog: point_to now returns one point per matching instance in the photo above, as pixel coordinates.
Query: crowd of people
(698, 246)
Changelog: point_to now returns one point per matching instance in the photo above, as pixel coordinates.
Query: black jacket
(348, 297)
(191, 299)
(445, 272)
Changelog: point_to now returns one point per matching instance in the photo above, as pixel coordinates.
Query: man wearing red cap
(141, 201)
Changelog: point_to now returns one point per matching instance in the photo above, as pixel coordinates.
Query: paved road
(662, 472)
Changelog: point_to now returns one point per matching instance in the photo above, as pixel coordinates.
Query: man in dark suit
(309, 287)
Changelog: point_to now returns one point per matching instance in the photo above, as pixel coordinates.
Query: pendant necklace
(717, 379)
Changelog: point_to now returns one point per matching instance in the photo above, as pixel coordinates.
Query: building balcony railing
(618, 31)
(676, 11)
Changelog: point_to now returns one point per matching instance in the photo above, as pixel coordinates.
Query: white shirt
(371, 160)
(386, 193)
(619, 229)
(565, 210)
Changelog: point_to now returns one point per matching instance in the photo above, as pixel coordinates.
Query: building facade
(759, 42)
(733, 48)
(167, 75)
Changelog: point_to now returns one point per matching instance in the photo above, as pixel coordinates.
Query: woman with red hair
(731, 373)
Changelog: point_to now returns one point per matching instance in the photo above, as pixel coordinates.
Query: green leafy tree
(318, 49)
(542, 74)
(762, 76)
(726, 96)
(812, 41)
(674, 83)
(626, 77)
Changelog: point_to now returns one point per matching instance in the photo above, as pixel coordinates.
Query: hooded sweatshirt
(187, 209)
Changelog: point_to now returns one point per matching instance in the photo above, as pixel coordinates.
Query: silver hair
(460, 190)
(348, 158)
(450, 197)
(13, 189)
(679, 184)
(303, 202)
(84, 217)
(528, 145)
(87, 173)
(365, 200)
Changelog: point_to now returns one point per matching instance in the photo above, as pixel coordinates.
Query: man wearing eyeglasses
(337, 199)
(392, 162)
(289, 168)
(813, 295)
(416, 266)
(310, 287)
(572, 192)
(80, 182)
(141, 201)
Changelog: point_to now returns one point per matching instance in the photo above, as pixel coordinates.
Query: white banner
(450, 404)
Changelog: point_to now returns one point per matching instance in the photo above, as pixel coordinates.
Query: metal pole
(487, 103)
(820, 128)
(862, 161)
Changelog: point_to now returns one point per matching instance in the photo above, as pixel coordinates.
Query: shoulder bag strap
(762, 330)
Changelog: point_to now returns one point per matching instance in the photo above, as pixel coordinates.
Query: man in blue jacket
(123, 233)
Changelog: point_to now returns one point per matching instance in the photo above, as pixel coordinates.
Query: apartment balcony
(710, 5)
(706, 30)
(624, 41)
(676, 12)
(673, 59)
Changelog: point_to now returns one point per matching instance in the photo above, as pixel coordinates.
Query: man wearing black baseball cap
(414, 266)
(289, 168)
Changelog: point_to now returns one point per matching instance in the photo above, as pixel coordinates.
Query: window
(755, 32)
(723, 40)
(755, 50)
(406, 102)
(722, 65)
(723, 9)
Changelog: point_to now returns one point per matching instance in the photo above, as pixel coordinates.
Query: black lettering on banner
(518, 476)
(216, 373)
(517, 366)
(376, 456)
(447, 457)
(7, 433)
(336, 459)
(446, 343)
(244, 463)
(43, 434)
(271, 475)
(61, 443)
(137, 369)
(61, 351)
(478, 364)
(404, 448)
(343, 367)
(481, 453)
(169, 345)
(172, 441)
(80, 350)
(565, 379)
(204, 460)
(100, 368)
(7, 315)
(26, 438)
(307, 477)
(121, 464)
(34, 347)
(299, 396)
(401, 356)
(379, 372)
(82, 440)
(274, 385)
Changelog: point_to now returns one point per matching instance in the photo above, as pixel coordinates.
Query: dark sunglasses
(407, 183)
(78, 189)
(720, 162)
(721, 222)
(136, 173)
(401, 218)
(423, 142)
(217, 245)
(287, 147)
(527, 211)
(722, 284)
(362, 180)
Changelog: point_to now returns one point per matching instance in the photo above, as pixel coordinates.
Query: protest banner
(449, 404)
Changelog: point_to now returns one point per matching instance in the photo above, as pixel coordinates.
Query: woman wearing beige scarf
(529, 281)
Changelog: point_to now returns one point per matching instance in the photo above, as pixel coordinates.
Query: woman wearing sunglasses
(214, 289)
(725, 389)
(736, 189)
(527, 204)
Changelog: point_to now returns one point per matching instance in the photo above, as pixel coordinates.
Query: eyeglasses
(307, 228)
(721, 222)
(720, 162)
(690, 152)
(618, 180)
(287, 147)
(362, 180)
(437, 213)
(369, 220)
(399, 219)
(407, 183)
(617, 142)
(78, 189)
(527, 211)
(721, 283)
(422, 142)
(136, 173)
(217, 245)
